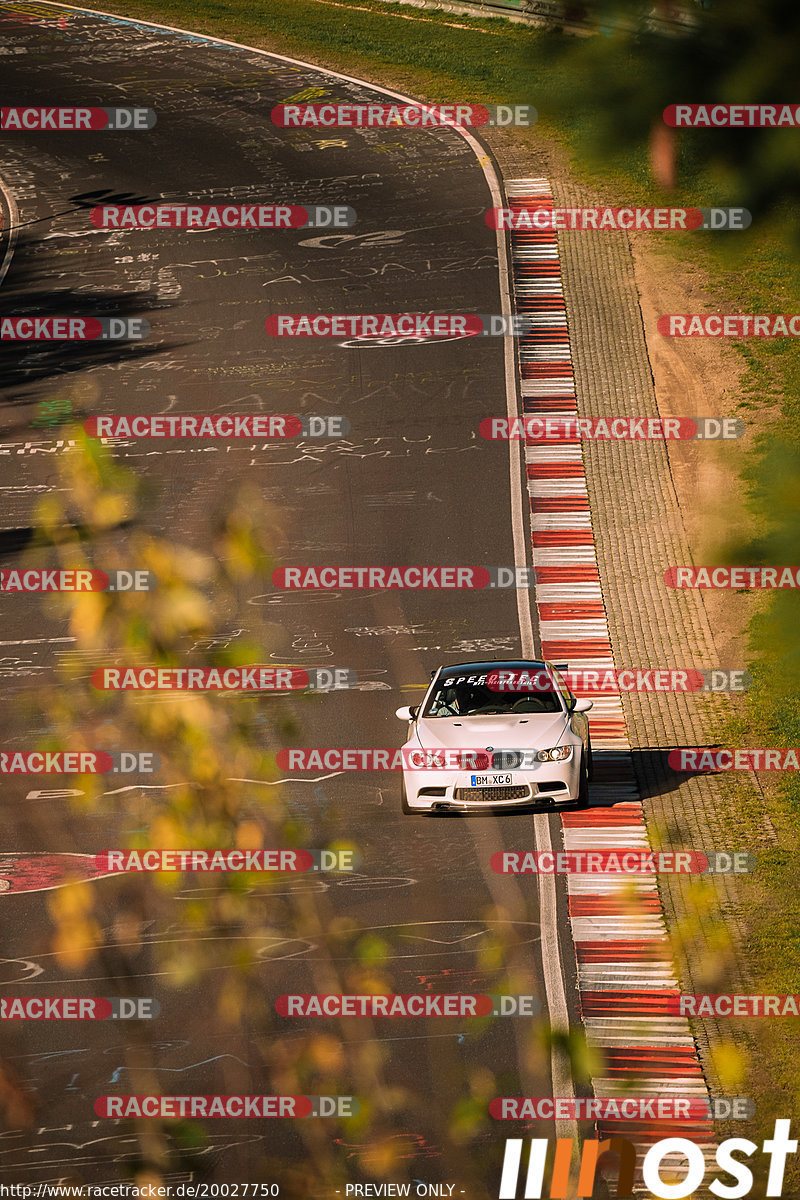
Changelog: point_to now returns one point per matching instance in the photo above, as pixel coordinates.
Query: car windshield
(455, 697)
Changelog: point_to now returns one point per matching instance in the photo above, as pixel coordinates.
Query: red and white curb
(625, 969)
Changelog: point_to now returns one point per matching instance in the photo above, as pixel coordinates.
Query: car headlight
(557, 754)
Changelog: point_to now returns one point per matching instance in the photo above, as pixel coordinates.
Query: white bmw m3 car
(496, 735)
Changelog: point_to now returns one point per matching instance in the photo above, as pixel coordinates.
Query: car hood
(537, 731)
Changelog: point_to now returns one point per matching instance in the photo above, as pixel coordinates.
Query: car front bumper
(548, 785)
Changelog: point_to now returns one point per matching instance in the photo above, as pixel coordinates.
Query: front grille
(506, 760)
(493, 795)
(551, 785)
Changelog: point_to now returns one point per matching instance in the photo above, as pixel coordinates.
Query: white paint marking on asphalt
(551, 949)
(13, 216)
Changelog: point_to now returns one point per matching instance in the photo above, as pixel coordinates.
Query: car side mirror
(582, 705)
(407, 713)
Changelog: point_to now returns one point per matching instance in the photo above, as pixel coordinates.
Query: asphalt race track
(411, 483)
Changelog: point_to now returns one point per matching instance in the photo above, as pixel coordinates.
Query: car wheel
(404, 798)
(583, 786)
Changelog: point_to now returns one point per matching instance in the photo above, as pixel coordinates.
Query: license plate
(490, 780)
